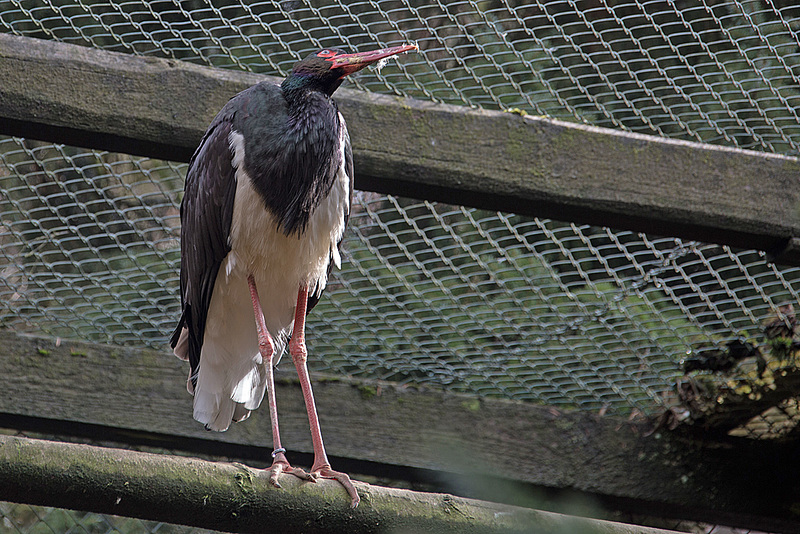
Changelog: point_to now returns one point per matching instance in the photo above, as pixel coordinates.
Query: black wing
(315, 295)
(206, 213)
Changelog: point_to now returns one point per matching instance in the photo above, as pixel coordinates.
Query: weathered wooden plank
(235, 498)
(529, 165)
(87, 97)
(480, 445)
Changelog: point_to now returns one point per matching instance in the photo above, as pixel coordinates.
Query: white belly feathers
(258, 247)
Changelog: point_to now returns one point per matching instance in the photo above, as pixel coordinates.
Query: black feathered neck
(292, 149)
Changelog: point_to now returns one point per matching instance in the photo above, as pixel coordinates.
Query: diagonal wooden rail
(528, 165)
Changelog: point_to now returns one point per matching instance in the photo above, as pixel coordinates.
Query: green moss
(243, 479)
(367, 392)
(326, 379)
(472, 405)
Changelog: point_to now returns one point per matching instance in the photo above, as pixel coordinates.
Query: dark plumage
(291, 183)
(266, 202)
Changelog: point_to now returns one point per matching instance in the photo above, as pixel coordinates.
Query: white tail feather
(231, 378)
(249, 391)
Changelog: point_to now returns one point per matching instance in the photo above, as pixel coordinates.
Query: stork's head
(324, 70)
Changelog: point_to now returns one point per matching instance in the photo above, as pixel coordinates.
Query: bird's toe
(300, 473)
(274, 472)
(343, 479)
(279, 468)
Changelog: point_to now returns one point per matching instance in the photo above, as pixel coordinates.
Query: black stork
(266, 202)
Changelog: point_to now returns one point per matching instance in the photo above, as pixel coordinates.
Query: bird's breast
(279, 262)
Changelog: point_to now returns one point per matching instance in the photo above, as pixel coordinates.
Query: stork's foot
(281, 465)
(325, 471)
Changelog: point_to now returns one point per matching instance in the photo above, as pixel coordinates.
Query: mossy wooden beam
(490, 449)
(235, 498)
(523, 164)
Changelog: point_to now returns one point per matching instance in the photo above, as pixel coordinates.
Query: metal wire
(476, 301)
(721, 72)
(490, 303)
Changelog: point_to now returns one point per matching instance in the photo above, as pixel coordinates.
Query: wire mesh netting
(24, 519)
(477, 301)
(489, 303)
(715, 71)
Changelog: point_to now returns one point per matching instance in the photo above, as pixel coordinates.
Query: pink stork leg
(297, 347)
(267, 349)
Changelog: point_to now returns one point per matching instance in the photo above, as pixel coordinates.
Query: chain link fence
(715, 71)
(494, 304)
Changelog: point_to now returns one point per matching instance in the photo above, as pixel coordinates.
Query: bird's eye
(326, 53)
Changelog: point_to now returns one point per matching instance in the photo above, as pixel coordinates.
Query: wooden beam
(528, 165)
(235, 498)
(491, 449)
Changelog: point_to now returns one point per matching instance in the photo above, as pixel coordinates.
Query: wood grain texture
(235, 498)
(527, 165)
(478, 447)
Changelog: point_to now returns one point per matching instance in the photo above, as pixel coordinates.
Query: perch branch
(74, 388)
(236, 498)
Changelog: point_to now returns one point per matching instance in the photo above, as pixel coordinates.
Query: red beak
(351, 63)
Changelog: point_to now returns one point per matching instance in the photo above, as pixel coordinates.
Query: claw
(274, 472)
(343, 479)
